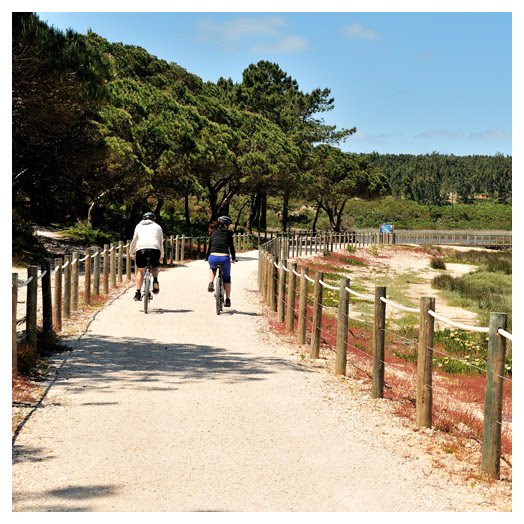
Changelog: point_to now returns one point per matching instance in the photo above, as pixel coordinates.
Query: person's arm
(132, 246)
(161, 238)
(208, 251)
(231, 246)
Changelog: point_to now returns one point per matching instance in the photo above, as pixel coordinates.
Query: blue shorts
(214, 260)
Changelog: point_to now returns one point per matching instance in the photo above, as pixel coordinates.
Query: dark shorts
(143, 254)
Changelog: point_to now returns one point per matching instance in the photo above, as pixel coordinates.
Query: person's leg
(139, 279)
(154, 273)
(227, 279)
(154, 260)
(139, 271)
(212, 274)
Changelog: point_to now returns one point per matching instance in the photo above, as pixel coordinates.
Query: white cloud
(492, 134)
(441, 133)
(266, 34)
(288, 44)
(361, 32)
(241, 28)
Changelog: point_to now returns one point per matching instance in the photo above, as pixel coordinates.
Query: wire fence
(438, 387)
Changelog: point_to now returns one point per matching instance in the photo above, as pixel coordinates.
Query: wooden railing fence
(278, 280)
(77, 279)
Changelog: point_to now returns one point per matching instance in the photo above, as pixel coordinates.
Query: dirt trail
(184, 410)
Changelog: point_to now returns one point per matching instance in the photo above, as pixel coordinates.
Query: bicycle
(219, 289)
(147, 295)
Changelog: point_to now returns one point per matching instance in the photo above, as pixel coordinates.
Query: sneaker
(211, 287)
(156, 287)
(227, 303)
(138, 295)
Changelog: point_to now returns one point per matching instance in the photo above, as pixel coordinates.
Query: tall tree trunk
(262, 219)
(254, 210)
(133, 218)
(239, 215)
(158, 208)
(317, 213)
(186, 210)
(91, 213)
(339, 214)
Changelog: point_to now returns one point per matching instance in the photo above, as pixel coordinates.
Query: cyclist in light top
(220, 247)
(148, 242)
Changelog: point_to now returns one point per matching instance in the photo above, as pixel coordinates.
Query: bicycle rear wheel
(219, 292)
(147, 280)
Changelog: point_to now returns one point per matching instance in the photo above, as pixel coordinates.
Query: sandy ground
(186, 411)
(392, 261)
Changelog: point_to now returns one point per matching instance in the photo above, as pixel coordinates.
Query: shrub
(84, 232)
(443, 281)
(27, 358)
(437, 263)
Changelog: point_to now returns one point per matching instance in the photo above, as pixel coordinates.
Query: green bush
(437, 263)
(83, 232)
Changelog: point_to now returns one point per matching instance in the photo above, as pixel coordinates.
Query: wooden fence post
(87, 278)
(96, 272)
(128, 261)
(177, 249)
(259, 272)
(291, 297)
(31, 303)
(302, 307)
(379, 336)
(75, 276)
(281, 291)
(112, 265)
(14, 304)
(47, 307)
(494, 396)
(274, 284)
(68, 259)
(120, 260)
(106, 268)
(425, 363)
(57, 302)
(342, 327)
(268, 278)
(317, 315)
(183, 249)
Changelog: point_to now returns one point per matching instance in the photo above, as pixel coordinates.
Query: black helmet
(224, 220)
(149, 215)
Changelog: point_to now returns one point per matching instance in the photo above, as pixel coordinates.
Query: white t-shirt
(148, 235)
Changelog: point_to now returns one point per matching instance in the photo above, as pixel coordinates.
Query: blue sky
(410, 82)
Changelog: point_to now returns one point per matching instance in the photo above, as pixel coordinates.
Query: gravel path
(184, 410)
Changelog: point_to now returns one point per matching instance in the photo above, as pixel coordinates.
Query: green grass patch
(482, 291)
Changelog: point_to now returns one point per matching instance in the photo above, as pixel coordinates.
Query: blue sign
(386, 228)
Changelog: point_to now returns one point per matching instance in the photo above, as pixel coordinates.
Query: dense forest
(103, 131)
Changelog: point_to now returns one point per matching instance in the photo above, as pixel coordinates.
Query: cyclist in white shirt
(148, 242)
